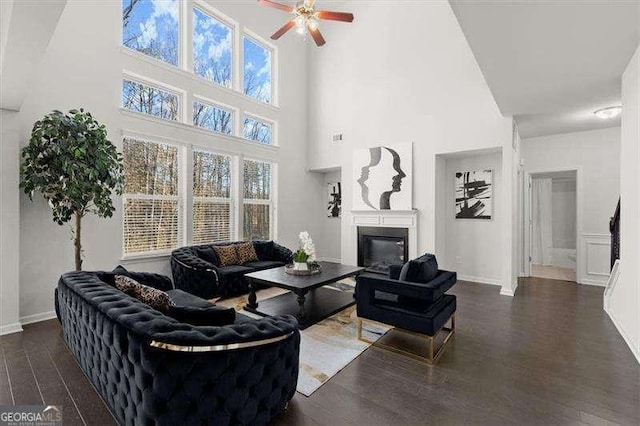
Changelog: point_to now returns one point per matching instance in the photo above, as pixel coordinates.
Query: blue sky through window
(256, 130)
(212, 118)
(257, 71)
(151, 27)
(212, 47)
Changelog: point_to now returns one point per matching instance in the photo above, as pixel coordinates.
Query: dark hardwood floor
(548, 356)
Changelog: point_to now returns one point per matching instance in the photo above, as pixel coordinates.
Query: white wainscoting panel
(597, 252)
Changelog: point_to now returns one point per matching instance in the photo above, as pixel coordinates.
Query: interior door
(528, 225)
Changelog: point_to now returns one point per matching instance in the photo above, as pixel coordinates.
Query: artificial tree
(70, 161)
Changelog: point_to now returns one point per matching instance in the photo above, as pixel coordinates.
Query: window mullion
(238, 195)
(186, 187)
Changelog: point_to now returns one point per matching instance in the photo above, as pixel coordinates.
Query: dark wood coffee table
(307, 299)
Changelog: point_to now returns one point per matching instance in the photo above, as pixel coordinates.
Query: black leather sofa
(151, 369)
(197, 270)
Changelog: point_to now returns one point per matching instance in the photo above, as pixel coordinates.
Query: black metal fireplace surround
(378, 248)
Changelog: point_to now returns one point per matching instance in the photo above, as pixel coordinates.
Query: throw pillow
(246, 253)
(228, 255)
(422, 269)
(208, 254)
(264, 249)
(153, 297)
(404, 271)
(211, 315)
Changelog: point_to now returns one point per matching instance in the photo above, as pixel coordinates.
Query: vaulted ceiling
(551, 64)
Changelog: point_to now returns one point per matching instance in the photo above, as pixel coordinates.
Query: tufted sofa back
(111, 336)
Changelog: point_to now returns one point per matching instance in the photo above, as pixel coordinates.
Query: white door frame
(528, 218)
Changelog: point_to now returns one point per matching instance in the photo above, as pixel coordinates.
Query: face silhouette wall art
(383, 176)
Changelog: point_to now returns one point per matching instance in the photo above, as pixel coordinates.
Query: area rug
(326, 347)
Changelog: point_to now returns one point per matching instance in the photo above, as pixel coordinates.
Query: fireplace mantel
(387, 219)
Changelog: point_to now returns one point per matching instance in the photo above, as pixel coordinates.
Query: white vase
(300, 266)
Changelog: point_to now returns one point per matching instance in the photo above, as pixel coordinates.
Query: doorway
(553, 224)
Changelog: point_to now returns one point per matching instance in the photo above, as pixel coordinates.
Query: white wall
(624, 303)
(596, 154)
(9, 222)
(398, 75)
(328, 240)
(83, 68)
(473, 248)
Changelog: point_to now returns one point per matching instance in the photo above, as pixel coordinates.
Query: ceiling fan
(306, 17)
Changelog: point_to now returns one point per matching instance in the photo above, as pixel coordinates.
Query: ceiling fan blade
(317, 36)
(334, 16)
(273, 4)
(284, 29)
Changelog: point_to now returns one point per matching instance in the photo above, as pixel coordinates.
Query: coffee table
(307, 300)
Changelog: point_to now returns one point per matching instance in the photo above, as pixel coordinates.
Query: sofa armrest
(282, 254)
(368, 284)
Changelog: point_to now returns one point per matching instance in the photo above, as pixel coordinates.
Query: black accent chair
(152, 369)
(411, 299)
(197, 270)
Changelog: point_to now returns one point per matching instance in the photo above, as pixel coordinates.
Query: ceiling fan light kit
(306, 19)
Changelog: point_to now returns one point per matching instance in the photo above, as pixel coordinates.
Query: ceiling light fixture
(609, 112)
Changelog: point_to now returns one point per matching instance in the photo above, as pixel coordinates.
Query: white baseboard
(10, 328)
(30, 319)
(479, 280)
(330, 259)
(588, 281)
(509, 291)
(635, 351)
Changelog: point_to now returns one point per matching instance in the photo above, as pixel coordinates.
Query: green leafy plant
(70, 161)
(300, 256)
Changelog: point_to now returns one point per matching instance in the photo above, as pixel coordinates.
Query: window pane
(257, 131)
(212, 118)
(150, 168)
(150, 225)
(256, 221)
(211, 175)
(149, 100)
(257, 71)
(212, 43)
(151, 27)
(257, 180)
(211, 222)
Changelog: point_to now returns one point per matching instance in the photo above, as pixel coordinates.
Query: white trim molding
(509, 291)
(30, 319)
(480, 280)
(10, 328)
(595, 268)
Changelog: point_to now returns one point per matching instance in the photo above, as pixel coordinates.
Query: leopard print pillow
(246, 253)
(228, 255)
(153, 297)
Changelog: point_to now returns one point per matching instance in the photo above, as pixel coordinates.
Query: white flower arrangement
(307, 251)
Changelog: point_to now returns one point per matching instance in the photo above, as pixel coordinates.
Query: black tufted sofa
(137, 359)
(197, 270)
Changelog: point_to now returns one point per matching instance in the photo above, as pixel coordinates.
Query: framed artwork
(334, 199)
(474, 194)
(383, 178)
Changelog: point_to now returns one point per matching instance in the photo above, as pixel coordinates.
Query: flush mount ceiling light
(609, 112)
(306, 18)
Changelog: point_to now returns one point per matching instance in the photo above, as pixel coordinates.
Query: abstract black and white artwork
(334, 193)
(383, 176)
(474, 194)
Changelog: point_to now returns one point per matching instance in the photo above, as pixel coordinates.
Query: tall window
(257, 70)
(149, 100)
(257, 200)
(212, 216)
(151, 204)
(215, 119)
(212, 48)
(257, 130)
(151, 27)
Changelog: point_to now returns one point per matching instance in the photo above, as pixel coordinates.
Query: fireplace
(380, 247)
